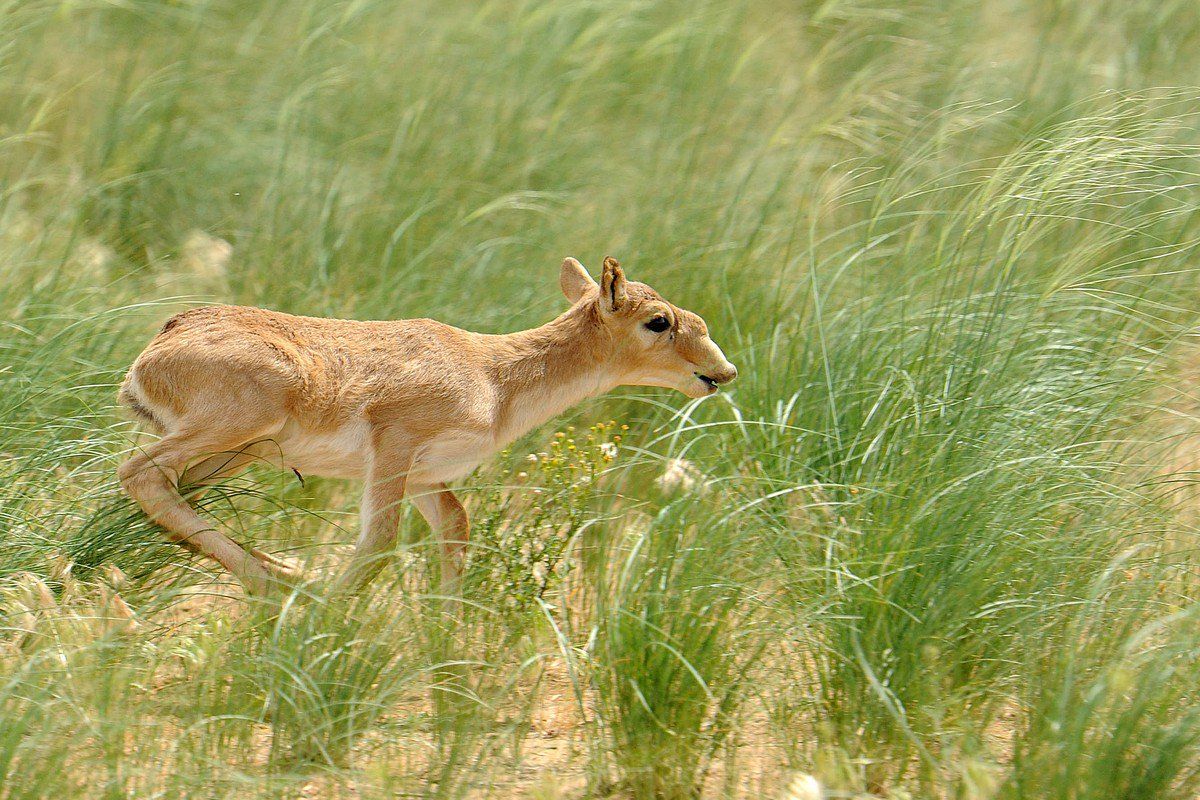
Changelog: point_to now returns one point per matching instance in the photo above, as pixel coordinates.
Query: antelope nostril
(723, 375)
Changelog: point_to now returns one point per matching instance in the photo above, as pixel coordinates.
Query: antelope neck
(543, 371)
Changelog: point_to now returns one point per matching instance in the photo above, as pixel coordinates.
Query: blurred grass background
(937, 541)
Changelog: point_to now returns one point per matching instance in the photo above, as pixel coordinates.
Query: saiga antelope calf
(407, 405)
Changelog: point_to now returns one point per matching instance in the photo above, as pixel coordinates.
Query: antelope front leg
(386, 480)
(448, 520)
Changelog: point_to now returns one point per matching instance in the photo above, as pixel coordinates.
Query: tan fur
(406, 405)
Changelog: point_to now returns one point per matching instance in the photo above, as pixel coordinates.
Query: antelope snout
(717, 376)
(712, 369)
(726, 374)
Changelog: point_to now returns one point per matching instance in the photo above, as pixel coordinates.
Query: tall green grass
(937, 540)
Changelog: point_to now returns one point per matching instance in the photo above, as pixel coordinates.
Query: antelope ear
(613, 295)
(574, 280)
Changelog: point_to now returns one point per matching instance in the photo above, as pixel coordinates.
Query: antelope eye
(658, 324)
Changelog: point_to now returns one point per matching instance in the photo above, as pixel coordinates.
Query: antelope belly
(343, 452)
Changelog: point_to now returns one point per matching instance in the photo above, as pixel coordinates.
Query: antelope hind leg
(448, 520)
(151, 478)
(223, 465)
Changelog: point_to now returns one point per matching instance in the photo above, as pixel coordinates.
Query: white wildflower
(609, 449)
(802, 787)
(680, 476)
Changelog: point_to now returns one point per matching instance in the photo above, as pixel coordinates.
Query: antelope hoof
(280, 569)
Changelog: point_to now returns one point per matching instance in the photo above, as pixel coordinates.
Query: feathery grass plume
(205, 256)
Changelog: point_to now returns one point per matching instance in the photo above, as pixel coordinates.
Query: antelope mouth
(707, 381)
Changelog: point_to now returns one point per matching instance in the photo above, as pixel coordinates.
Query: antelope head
(654, 343)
